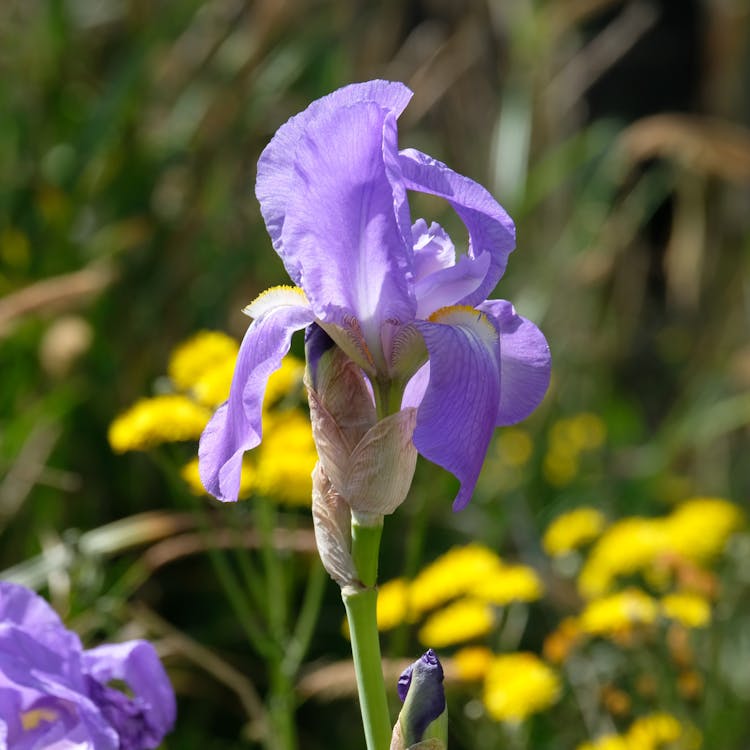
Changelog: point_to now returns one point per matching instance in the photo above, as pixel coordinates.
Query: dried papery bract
(332, 521)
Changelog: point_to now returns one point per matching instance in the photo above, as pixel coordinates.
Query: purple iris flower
(54, 695)
(392, 294)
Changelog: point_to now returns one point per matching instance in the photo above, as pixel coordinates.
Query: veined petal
(236, 425)
(342, 229)
(525, 362)
(416, 387)
(137, 664)
(433, 249)
(490, 228)
(449, 285)
(276, 164)
(458, 412)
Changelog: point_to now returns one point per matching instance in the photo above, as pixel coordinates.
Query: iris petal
(433, 249)
(276, 164)
(525, 362)
(236, 425)
(490, 228)
(335, 205)
(457, 415)
(448, 286)
(341, 227)
(137, 664)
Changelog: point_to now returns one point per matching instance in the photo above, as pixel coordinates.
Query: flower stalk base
(361, 611)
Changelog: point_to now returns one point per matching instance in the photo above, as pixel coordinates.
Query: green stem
(281, 699)
(308, 617)
(281, 710)
(361, 612)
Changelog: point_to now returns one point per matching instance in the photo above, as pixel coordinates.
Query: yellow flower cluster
(460, 621)
(476, 571)
(201, 371)
(208, 353)
(508, 455)
(153, 421)
(572, 530)
(618, 612)
(696, 531)
(690, 610)
(569, 439)
(518, 685)
(648, 732)
(618, 615)
(472, 663)
(286, 458)
(471, 580)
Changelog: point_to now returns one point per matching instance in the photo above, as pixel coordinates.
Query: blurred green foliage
(129, 136)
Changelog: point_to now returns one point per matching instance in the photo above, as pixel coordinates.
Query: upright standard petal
(277, 179)
(458, 412)
(236, 425)
(525, 362)
(344, 224)
(490, 228)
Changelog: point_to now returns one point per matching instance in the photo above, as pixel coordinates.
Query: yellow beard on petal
(32, 719)
(466, 316)
(276, 296)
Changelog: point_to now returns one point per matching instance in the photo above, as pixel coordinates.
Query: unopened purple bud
(420, 687)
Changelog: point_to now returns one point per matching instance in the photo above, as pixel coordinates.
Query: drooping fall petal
(236, 425)
(457, 415)
(525, 362)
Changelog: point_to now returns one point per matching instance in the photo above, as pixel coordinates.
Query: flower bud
(420, 687)
(369, 462)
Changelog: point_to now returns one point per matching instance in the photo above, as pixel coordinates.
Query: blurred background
(617, 134)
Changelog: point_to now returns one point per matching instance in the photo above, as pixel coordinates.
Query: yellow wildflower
(581, 432)
(284, 381)
(618, 612)
(393, 603)
(514, 446)
(559, 467)
(588, 431)
(690, 610)
(607, 742)
(699, 528)
(152, 421)
(568, 438)
(212, 386)
(518, 685)
(653, 731)
(572, 530)
(200, 353)
(451, 575)
(285, 459)
(625, 548)
(458, 622)
(649, 732)
(696, 531)
(472, 662)
(508, 583)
